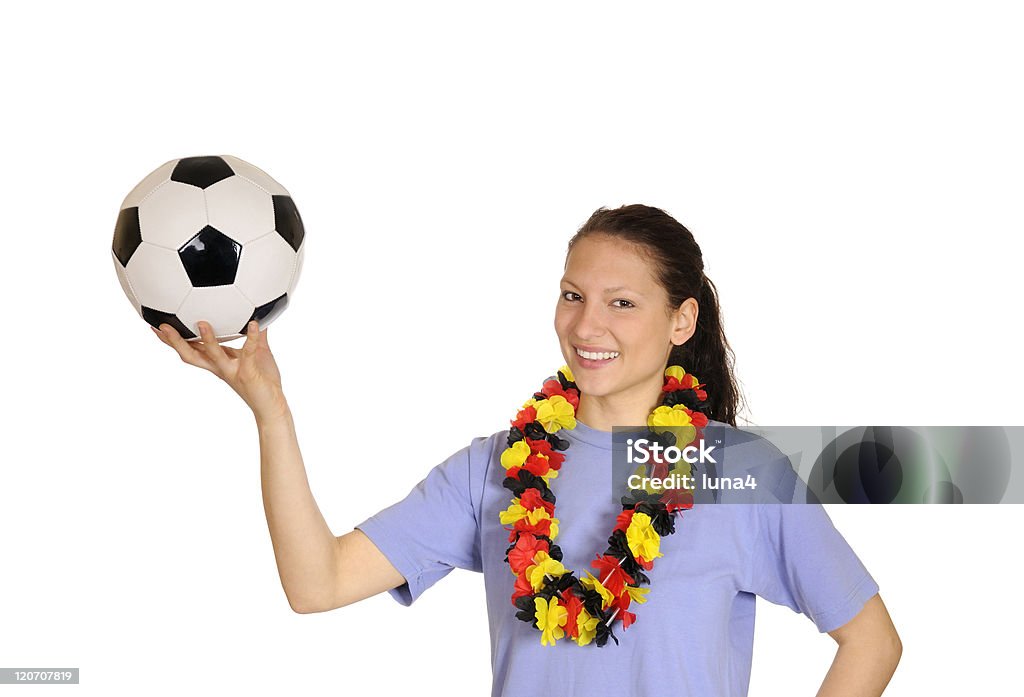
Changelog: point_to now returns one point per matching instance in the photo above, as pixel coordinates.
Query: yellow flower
(648, 486)
(643, 539)
(555, 413)
(513, 513)
(669, 416)
(551, 617)
(531, 402)
(674, 371)
(675, 419)
(637, 594)
(515, 455)
(683, 469)
(567, 372)
(587, 626)
(543, 566)
(607, 598)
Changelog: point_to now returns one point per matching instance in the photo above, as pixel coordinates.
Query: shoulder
(476, 461)
(482, 449)
(742, 441)
(743, 453)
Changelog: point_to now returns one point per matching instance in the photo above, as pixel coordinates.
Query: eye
(569, 295)
(621, 300)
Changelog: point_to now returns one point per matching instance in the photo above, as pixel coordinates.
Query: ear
(685, 321)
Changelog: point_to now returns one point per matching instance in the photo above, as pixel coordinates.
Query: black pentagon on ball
(288, 222)
(210, 258)
(127, 234)
(266, 313)
(201, 171)
(156, 318)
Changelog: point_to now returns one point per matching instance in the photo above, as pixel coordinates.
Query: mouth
(595, 359)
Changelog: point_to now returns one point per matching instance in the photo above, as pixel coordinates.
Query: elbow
(888, 649)
(299, 608)
(895, 648)
(303, 606)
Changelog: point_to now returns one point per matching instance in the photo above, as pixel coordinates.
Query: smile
(592, 356)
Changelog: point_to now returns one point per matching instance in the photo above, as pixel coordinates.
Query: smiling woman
(640, 331)
(634, 278)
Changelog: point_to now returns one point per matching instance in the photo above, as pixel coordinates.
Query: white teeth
(597, 356)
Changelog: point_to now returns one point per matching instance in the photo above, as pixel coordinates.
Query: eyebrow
(608, 290)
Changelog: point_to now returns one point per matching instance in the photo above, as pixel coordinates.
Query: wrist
(277, 413)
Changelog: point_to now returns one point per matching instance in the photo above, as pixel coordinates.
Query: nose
(589, 323)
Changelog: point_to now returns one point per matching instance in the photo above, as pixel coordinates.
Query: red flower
(621, 603)
(699, 420)
(660, 469)
(525, 416)
(624, 519)
(543, 447)
(572, 605)
(536, 465)
(676, 499)
(522, 587)
(611, 575)
(553, 387)
(542, 527)
(671, 384)
(531, 499)
(521, 556)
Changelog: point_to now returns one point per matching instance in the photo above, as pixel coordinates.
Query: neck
(601, 413)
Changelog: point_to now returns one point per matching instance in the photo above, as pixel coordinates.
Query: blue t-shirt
(693, 636)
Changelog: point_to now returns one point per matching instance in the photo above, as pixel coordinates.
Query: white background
(851, 171)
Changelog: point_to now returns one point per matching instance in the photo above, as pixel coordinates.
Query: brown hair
(679, 267)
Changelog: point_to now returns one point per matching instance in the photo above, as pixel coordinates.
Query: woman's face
(613, 310)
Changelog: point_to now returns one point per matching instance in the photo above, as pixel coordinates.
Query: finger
(211, 348)
(251, 336)
(185, 350)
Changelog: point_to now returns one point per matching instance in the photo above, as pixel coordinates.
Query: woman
(639, 325)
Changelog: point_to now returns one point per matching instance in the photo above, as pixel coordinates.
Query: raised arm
(318, 570)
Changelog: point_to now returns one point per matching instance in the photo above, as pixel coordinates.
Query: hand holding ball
(208, 238)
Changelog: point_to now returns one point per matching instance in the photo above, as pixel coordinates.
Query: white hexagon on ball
(265, 271)
(224, 307)
(158, 278)
(240, 209)
(172, 214)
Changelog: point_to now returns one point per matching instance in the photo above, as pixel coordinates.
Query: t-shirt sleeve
(800, 560)
(436, 527)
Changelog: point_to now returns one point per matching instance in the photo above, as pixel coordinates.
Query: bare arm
(318, 570)
(869, 650)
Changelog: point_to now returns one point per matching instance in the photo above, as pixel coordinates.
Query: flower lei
(546, 594)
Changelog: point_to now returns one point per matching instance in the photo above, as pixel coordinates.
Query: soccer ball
(208, 238)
